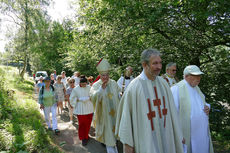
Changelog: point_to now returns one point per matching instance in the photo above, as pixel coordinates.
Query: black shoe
(84, 142)
(56, 131)
(103, 144)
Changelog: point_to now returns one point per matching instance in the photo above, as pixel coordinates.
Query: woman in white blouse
(83, 108)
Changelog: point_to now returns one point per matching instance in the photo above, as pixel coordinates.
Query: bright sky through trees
(58, 10)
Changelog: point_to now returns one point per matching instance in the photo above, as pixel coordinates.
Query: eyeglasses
(174, 70)
(71, 82)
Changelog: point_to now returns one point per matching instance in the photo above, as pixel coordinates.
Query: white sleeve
(73, 98)
(175, 93)
(119, 82)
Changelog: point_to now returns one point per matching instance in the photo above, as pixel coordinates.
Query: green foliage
(3, 96)
(49, 52)
(22, 129)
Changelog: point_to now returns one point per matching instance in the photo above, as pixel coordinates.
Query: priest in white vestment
(170, 75)
(105, 97)
(147, 120)
(125, 80)
(193, 111)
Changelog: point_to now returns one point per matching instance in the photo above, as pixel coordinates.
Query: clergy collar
(169, 75)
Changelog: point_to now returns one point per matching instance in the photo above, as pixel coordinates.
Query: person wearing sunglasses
(68, 93)
(170, 75)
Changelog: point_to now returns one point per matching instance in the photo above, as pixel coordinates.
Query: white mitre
(103, 66)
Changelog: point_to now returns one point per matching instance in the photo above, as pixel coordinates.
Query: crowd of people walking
(148, 114)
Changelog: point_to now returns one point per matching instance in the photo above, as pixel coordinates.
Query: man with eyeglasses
(170, 75)
(105, 96)
(193, 111)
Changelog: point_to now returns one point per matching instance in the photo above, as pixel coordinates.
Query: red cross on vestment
(164, 111)
(151, 114)
(157, 102)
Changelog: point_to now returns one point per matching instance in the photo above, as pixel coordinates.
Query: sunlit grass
(21, 124)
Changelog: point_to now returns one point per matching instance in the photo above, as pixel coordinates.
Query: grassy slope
(21, 124)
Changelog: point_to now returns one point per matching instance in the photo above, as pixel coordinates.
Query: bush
(21, 124)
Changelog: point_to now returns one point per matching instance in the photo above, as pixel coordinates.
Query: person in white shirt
(83, 108)
(170, 75)
(125, 80)
(68, 93)
(63, 78)
(76, 77)
(193, 111)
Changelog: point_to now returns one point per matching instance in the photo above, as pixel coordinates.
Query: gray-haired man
(170, 75)
(147, 118)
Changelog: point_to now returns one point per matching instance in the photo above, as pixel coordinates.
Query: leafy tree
(26, 14)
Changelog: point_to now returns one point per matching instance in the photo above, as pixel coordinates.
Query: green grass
(21, 124)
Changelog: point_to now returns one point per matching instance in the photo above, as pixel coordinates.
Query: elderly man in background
(170, 75)
(125, 80)
(147, 120)
(105, 97)
(193, 111)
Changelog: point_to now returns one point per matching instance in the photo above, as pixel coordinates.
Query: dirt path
(68, 140)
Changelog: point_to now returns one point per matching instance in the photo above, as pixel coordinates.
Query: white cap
(192, 69)
(103, 66)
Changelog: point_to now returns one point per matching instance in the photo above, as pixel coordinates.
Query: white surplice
(199, 124)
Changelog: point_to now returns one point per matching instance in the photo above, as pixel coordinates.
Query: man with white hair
(193, 111)
(170, 75)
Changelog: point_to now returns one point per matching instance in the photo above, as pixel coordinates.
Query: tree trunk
(24, 68)
(26, 41)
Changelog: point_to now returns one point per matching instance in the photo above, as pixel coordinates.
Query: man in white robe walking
(193, 111)
(105, 96)
(147, 120)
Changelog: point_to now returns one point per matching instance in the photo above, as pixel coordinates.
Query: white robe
(199, 124)
(121, 80)
(105, 102)
(80, 100)
(134, 126)
(171, 81)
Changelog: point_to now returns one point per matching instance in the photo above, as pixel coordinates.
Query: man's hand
(41, 106)
(183, 141)
(128, 149)
(206, 109)
(104, 84)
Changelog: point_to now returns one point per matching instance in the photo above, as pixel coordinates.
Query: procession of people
(147, 114)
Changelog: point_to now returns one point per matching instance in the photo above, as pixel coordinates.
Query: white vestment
(105, 102)
(147, 127)
(120, 82)
(198, 140)
(171, 81)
